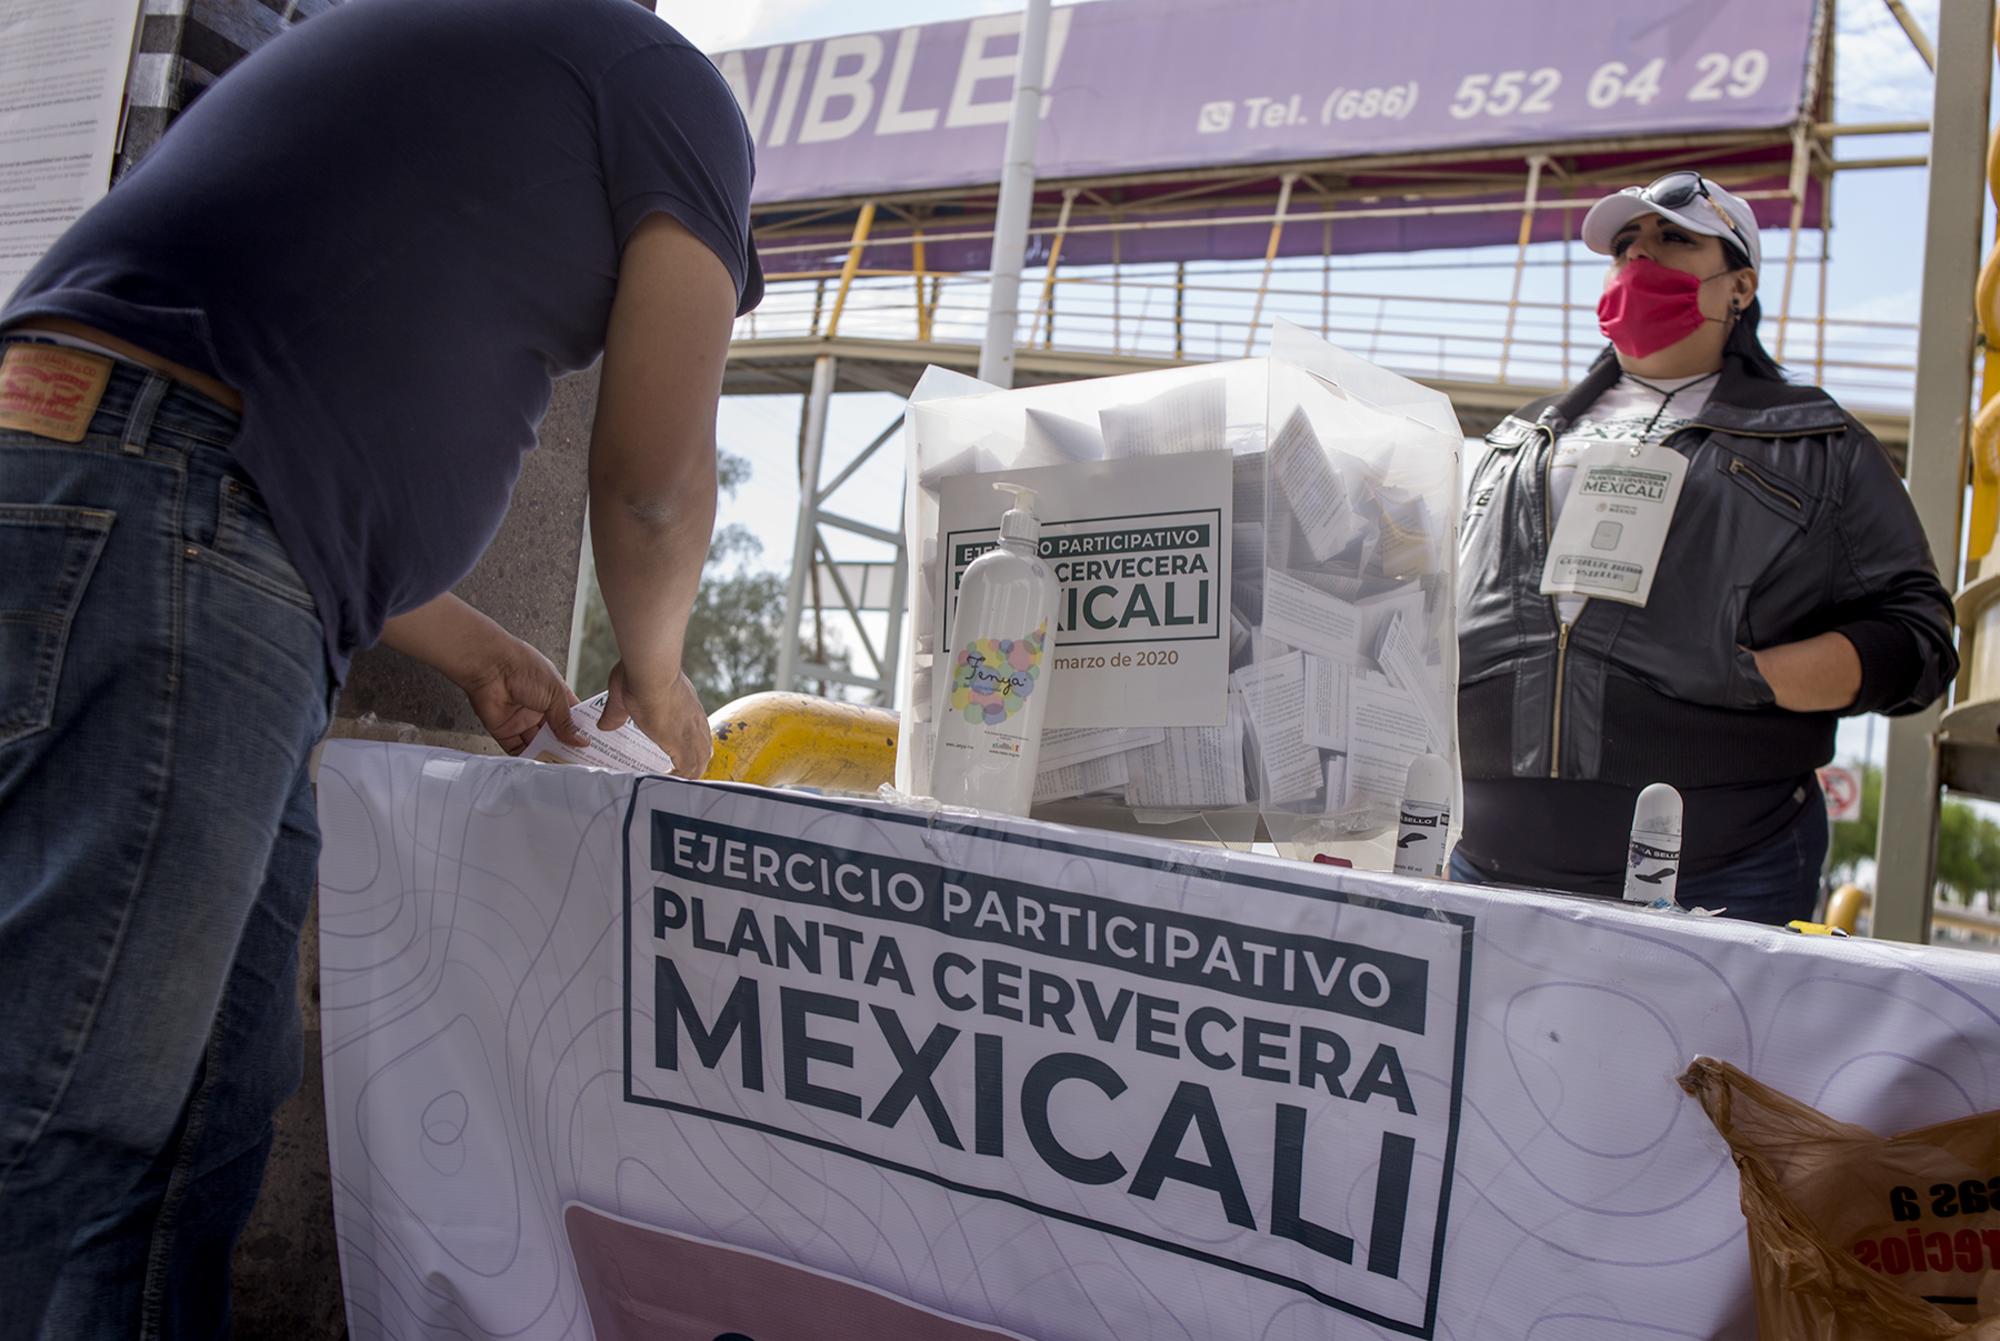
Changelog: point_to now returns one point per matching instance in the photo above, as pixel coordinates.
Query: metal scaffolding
(1180, 310)
(859, 588)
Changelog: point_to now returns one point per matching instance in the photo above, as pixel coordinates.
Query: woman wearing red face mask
(1684, 569)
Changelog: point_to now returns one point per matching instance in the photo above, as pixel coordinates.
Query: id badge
(1614, 522)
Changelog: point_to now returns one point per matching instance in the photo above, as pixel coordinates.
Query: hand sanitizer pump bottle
(996, 689)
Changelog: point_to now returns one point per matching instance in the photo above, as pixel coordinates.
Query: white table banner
(632, 1057)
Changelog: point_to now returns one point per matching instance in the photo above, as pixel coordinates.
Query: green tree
(735, 626)
(1854, 843)
(1968, 859)
(1968, 852)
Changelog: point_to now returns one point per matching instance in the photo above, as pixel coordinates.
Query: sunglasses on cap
(1678, 190)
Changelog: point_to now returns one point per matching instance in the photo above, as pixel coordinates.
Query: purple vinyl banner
(1160, 85)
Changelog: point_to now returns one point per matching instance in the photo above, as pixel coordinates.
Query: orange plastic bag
(1858, 1237)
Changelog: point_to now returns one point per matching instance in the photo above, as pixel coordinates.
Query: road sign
(1842, 787)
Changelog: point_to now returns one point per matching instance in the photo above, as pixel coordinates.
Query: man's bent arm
(511, 685)
(447, 635)
(652, 462)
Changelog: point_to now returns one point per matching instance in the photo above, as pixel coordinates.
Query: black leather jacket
(1792, 522)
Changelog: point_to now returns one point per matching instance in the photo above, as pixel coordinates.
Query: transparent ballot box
(1255, 563)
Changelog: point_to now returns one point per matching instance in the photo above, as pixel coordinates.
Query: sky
(1875, 248)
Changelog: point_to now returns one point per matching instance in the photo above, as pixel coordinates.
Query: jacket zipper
(1562, 627)
(1556, 721)
(1548, 527)
(1748, 432)
(1737, 467)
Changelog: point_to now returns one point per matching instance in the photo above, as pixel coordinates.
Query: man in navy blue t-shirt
(259, 409)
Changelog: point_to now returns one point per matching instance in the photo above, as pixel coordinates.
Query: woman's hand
(670, 714)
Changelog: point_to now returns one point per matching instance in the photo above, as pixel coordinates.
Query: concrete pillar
(287, 1265)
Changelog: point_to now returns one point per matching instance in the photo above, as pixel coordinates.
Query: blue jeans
(162, 685)
(1776, 884)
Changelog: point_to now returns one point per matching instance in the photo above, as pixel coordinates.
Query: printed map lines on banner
(1973, 1050)
(435, 956)
(350, 1246)
(1733, 1238)
(855, 1267)
(978, 1276)
(1627, 1324)
(545, 1024)
(933, 823)
(337, 789)
(1938, 1071)
(1777, 1010)
(1529, 1236)
(1560, 917)
(1962, 995)
(438, 953)
(1535, 1100)
(1024, 1203)
(1067, 1267)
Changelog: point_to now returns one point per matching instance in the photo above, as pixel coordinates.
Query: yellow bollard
(797, 740)
(1984, 475)
(1843, 908)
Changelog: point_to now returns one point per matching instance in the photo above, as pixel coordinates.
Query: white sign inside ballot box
(1140, 550)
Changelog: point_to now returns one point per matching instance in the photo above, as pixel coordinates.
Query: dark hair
(1742, 341)
(1748, 350)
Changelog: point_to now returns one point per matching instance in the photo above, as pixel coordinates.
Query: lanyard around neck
(1666, 399)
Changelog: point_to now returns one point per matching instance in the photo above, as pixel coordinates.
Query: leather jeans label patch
(50, 391)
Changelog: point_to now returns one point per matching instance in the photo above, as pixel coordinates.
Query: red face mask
(1648, 306)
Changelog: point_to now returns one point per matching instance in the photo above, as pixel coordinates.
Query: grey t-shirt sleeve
(672, 141)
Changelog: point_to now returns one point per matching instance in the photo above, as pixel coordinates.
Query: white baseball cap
(1690, 200)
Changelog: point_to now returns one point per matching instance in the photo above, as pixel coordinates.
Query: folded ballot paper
(1255, 566)
(626, 750)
